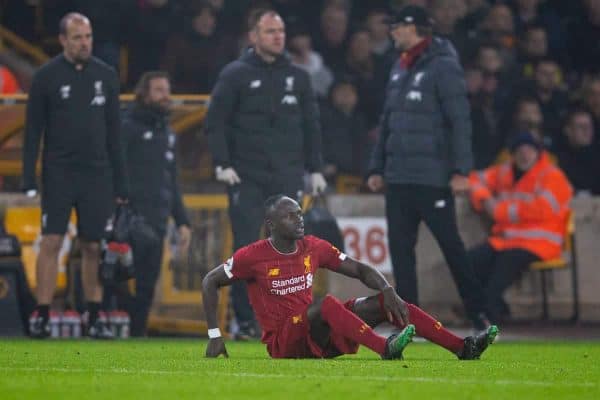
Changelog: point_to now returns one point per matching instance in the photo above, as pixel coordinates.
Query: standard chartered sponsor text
(281, 287)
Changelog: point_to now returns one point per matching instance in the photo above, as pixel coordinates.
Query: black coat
(425, 131)
(263, 120)
(150, 156)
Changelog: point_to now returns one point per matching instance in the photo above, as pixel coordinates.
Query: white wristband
(214, 333)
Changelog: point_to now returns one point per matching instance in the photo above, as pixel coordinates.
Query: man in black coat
(154, 192)
(263, 132)
(424, 155)
(73, 109)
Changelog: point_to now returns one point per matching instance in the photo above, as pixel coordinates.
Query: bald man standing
(74, 105)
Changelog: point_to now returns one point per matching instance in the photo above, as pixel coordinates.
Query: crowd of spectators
(530, 64)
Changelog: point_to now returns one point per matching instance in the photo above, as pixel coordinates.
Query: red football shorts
(293, 340)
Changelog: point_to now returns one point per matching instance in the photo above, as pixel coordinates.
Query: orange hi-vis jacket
(529, 214)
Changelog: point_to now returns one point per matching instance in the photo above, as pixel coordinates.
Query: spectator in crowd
(263, 132)
(149, 147)
(424, 156)
(194, 57)
(579, 156)
(497, 80)
(332, 35)
(498, 28)
(74, 105)
(527, 12)
(467, 27)
(591, 99)
(111, 20)
(545, 87)
(533, 46)
(582, 44)
(8, 81)
(344, 132)
(379, 30)
(446, 14)
(151, 25)
(303, 56)
(526, 117)
(527, 198)
(370, 77)
(483, 118)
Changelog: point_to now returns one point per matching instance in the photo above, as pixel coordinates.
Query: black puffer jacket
(150, 158)
(263, 120)
(425, 132)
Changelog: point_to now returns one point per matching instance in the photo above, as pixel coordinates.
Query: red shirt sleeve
(239, 266)
(328, 255)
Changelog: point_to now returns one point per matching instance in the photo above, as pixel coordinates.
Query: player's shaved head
(271, 204)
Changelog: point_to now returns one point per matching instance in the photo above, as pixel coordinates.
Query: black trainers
(476, 345)
(395, 344)
(247, 331)
(99, 330)
(40, 329)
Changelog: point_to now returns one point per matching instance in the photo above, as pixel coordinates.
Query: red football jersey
(279, 284)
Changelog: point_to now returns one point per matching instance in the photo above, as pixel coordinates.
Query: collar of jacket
(251, 57)
(147, 114)
(408, 57)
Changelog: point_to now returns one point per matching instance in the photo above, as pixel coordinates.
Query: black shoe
(40, 328)
(474, 346)
(395, 344)
(247, 331)
(99, 330)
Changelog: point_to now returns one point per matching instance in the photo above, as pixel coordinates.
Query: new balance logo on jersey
(255, 84)
(395, 77)
(289, 99)
(414, 95)
(148, 135)
(65, 92)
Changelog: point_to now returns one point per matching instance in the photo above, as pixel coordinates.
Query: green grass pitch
(176, 369)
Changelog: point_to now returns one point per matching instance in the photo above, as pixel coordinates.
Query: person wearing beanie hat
(527, 197)
(524, 138)
(423, 155)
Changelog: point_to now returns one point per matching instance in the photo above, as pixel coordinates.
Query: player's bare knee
(367, 305)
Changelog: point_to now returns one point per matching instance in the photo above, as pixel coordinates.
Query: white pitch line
(503, 382)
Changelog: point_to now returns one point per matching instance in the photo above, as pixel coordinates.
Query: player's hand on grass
(215, 348)
(394, 306)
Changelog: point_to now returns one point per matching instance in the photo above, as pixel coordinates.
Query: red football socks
(344, 322)
(429, 328)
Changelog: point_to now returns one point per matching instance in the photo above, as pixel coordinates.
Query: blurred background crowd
(530, 64)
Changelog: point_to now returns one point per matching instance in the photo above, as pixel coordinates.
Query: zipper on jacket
(271, 95)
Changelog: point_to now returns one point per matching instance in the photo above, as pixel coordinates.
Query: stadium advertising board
(365, 239)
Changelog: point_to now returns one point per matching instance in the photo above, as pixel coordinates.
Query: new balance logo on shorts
(289, 99)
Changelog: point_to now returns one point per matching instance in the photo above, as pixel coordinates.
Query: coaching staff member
(154, 193)
(263, 132)
(74, 104)
(423, 155)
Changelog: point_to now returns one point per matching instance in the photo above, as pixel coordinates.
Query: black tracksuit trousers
(406, 206)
